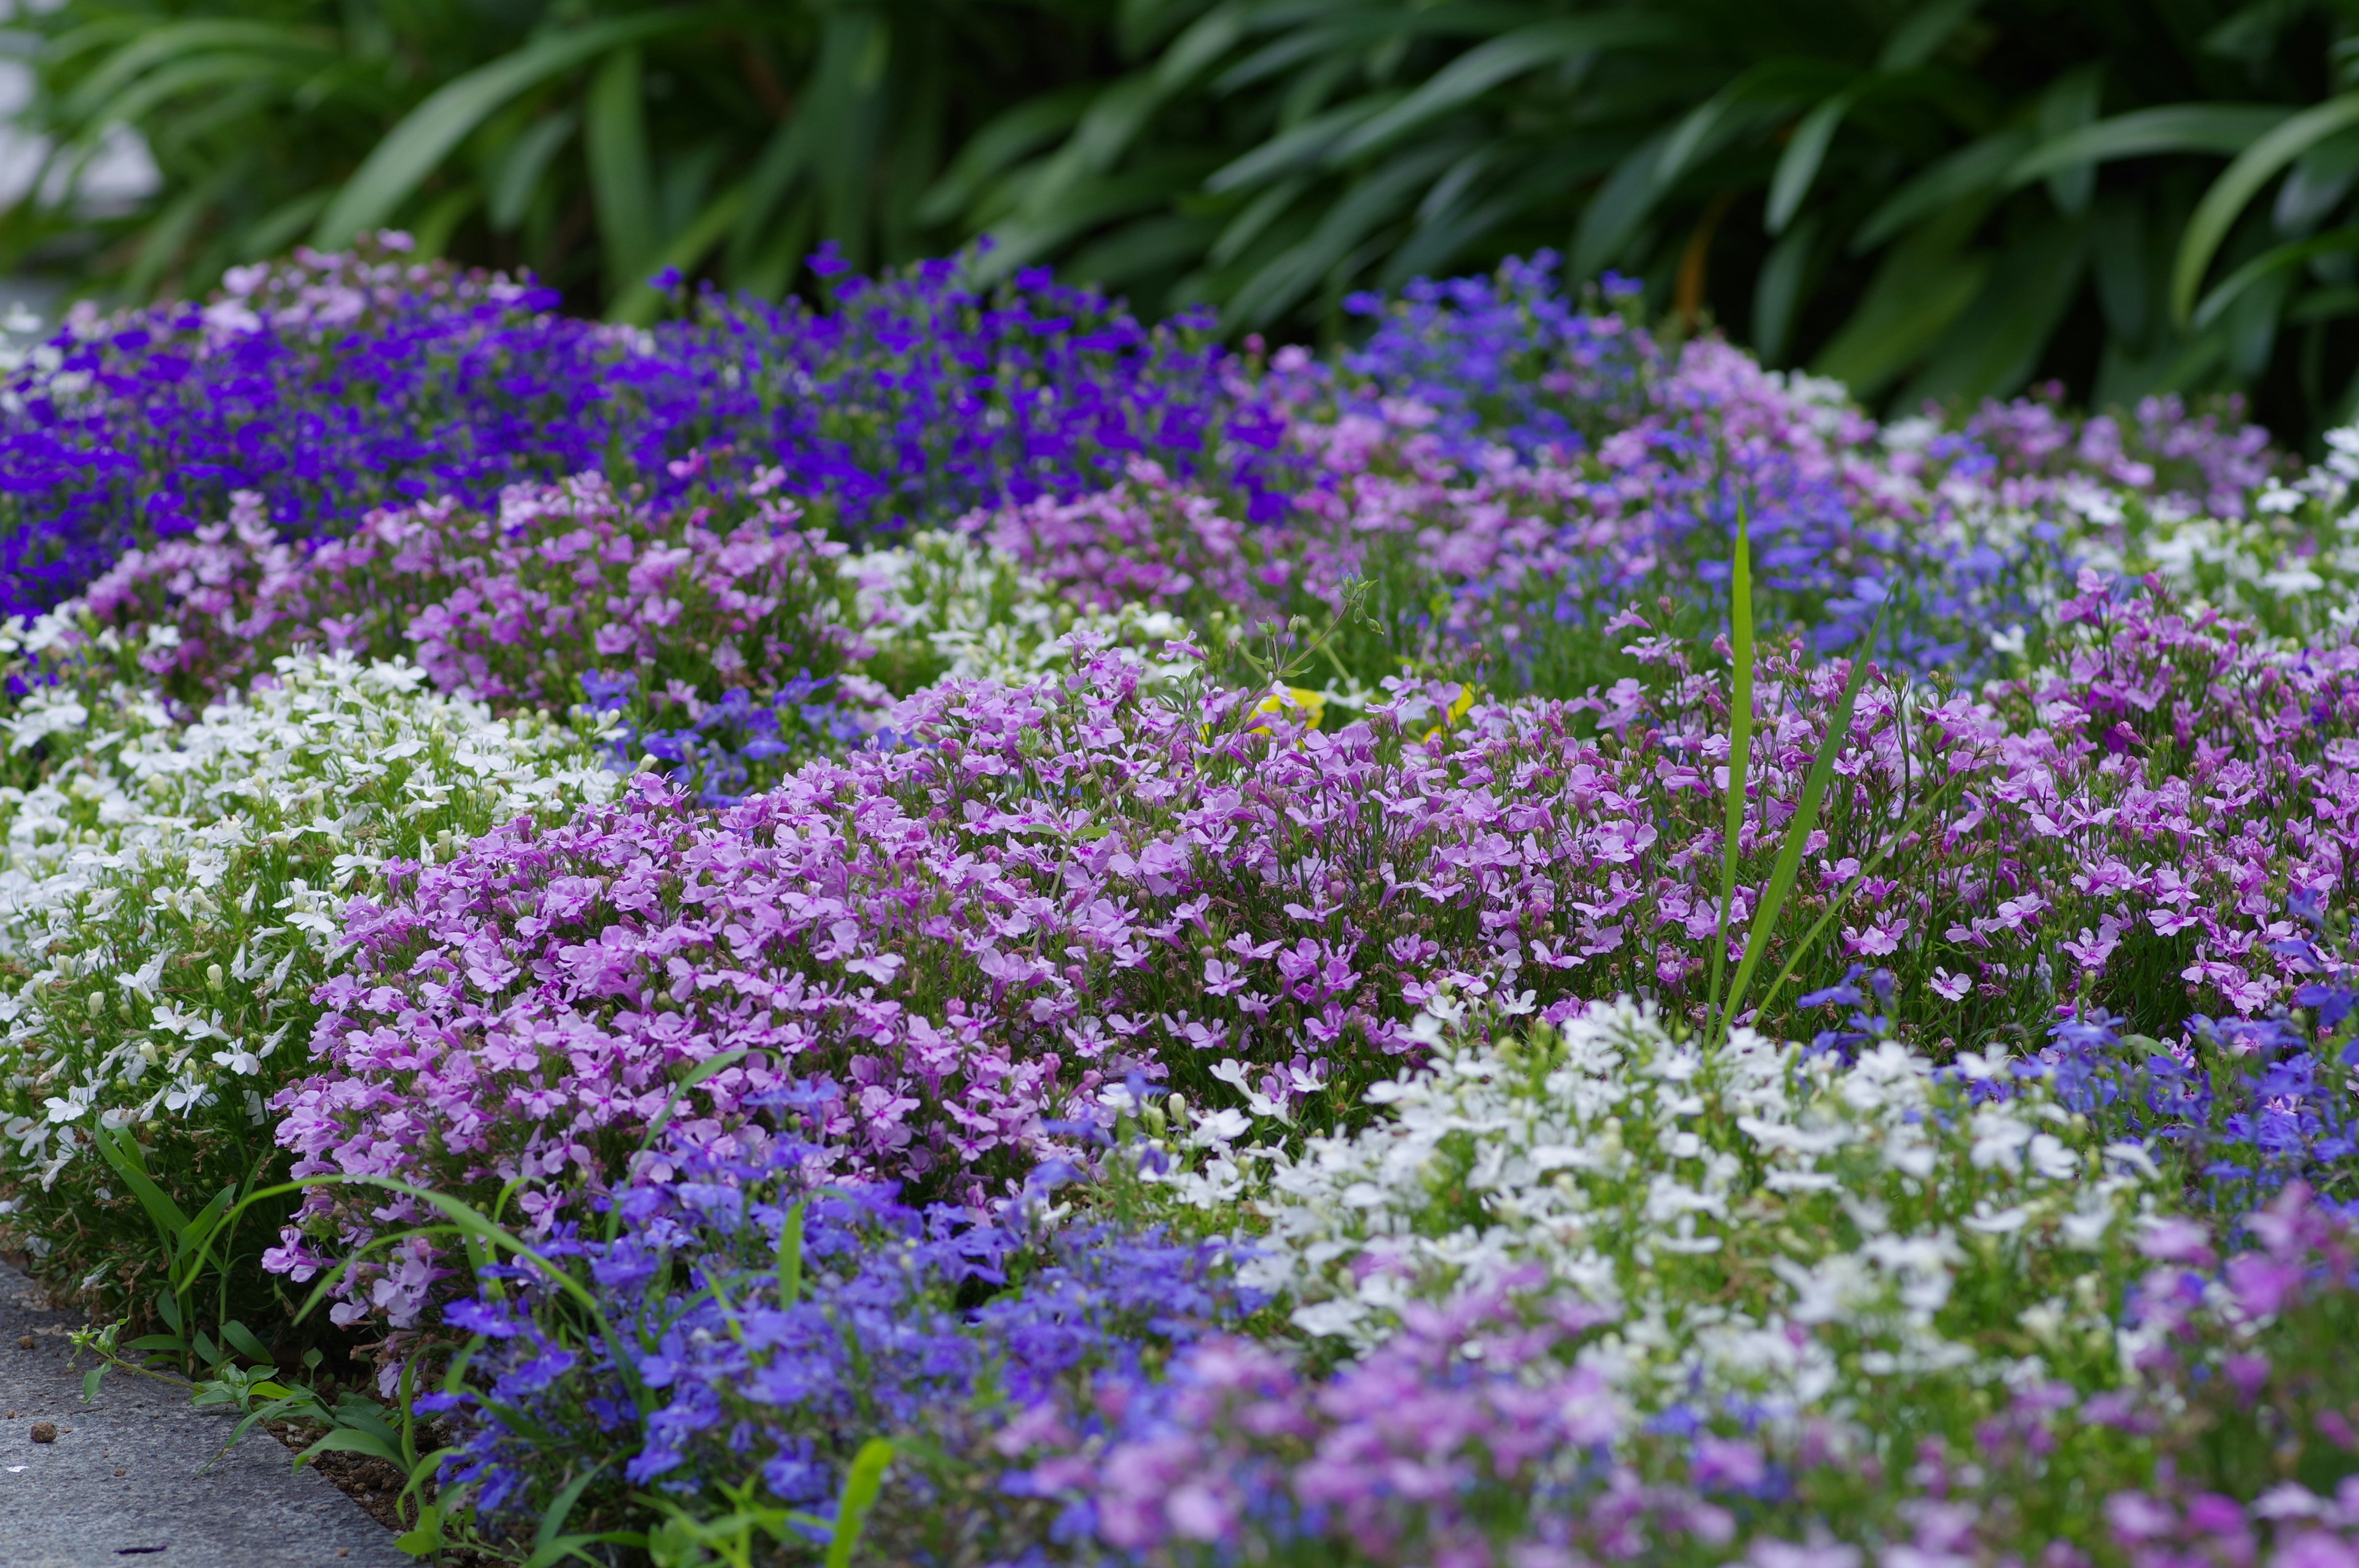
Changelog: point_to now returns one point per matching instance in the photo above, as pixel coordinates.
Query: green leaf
(2146, 133)
(1613, 214)
(2069, 104)
(549, 1544)
(790, 1256)
(425, 1539)
(178, 41)
(121, 1152)
(345, 1440)
(1740, 754)
(641, 302)
(1919, 37)
(1837, 904)
(1377, 196)
(1777, 292)
(416, 147)
(719, 1061)
(521, 169)
(243, 1340)
(1991, 350)
(1249, 225)
(1759, 93)
(614, 138)
(1503, 59)
(2332, 303)
(2236, 186)
(211, 75)
(1920, 290)
(2268, 264)
(1299, 148)
(199, 1229)
(862, 1483)
(1799, 828)
(995, 149)
(1192, 53)
(1974, 170)
(1798, 164)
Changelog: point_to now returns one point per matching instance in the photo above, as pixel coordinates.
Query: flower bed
(1212, 997)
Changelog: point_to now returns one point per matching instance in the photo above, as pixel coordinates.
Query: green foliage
(595, 141)
(1925, 198)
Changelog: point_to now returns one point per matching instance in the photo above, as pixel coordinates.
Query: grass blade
(171, 1221)
(790, 1256)
(1740, 747)
(1510, 55)
(1799, 830)
(861, 1486)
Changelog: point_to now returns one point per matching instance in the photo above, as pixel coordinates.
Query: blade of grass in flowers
(861, 1486)
(1798, 831)
(1836, 906)
(1740, 750)
(790, 1256)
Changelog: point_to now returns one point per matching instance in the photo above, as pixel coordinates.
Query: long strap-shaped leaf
(861, 1483)
(1798, 831)
(414, 148)
(2239, 183)
(1739, 744)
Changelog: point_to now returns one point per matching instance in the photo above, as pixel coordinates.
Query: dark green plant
(595, 141)
(1926, 198)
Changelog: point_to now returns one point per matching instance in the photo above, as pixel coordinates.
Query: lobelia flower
(713, 638)
(943, 1325)
(335, 385)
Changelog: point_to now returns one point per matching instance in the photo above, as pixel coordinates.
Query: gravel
(118, 1483)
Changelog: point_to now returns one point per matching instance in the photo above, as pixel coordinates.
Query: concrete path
(120, 1484)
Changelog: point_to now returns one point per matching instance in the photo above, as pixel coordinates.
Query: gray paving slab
(121, 1484)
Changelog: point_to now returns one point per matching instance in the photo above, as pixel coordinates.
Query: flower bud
(215, 977)
(97, 1006)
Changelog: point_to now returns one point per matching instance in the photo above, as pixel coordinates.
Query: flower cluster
(332, 386)
(713, 638)
(173, 893)
(1825, 1208)
(1553, 1380)
(882, 1321)
(953, 945)
(948, 607)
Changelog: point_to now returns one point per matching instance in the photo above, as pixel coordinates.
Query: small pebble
(122, 1472)
(25, 1342)
(45, 1432)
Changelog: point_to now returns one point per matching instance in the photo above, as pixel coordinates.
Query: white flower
(133, 863)
(1728, 1206)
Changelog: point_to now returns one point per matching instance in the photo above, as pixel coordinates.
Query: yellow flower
(1313, 704)
(1459, 708)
